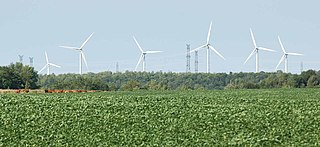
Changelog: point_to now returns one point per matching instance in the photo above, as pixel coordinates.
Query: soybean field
(277, 117)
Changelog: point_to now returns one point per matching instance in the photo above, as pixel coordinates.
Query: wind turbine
(285, 57)
(48, 65)
(208, 46)
(143, 55)
(81, 56)
(256, 50)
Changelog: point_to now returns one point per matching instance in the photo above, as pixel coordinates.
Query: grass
(162, 118)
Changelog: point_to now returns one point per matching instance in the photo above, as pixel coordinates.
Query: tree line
(19, 76)
(180, 81)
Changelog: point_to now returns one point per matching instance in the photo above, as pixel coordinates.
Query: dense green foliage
(288, 117)
(180, 81)
(18, 76)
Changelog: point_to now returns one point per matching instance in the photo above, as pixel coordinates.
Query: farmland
(227, 117)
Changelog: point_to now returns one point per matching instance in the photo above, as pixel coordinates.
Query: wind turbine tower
(256, 51)
(209, 47)
(48, 65)
(285, 57)
(81, 53)
(196, 62)
(143, 55)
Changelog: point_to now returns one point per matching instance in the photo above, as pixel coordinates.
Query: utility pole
(196, 62)
(188, 59)
(31, 61)
(117, 67)
(20, 58)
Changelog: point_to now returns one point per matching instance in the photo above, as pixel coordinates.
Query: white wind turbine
(48, 65)
(143, 55)
(256, 50)
(285, 57)
(81, 56)
(208, 46)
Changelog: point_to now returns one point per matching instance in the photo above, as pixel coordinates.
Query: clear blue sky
(30, 27)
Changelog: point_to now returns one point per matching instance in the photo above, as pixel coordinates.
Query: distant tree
(9, 79)
(293, 81)
(153, 85)
(186, 85)
(306, 75)
(313, 81)
(198, 87)
(131, 85)
(18, 76)
(112, 87)
(29, 77)
(95, 84)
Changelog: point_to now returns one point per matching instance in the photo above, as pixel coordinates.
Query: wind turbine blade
(284, 51)
(266, 49)
(134, 38)
(253, 40)
(282, 58)
(46, 57)
(69, 47)
(254, 50)
(152, 52)
(84, 43)
(216, 52)
(295, 54)
(43, 68)
(209, 33)
(139, 62)
(54, 65)
(196, 49)
(84, 59)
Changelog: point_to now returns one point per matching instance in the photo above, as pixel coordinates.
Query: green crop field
(162, 118)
